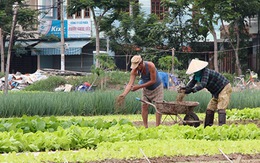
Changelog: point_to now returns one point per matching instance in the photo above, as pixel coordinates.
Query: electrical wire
(50, 7)
(202, 52)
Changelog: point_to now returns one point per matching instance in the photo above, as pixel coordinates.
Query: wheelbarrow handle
(149, 103)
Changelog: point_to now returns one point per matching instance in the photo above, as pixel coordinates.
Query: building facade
(78, 30)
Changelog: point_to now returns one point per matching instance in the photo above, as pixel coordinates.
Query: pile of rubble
(19, 81)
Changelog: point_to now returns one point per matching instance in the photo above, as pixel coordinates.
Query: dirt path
(193, 159)
(257, 122)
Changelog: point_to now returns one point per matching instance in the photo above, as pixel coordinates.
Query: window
(86, 13)
(128, 8)
(48, 7)
(158, 9)
(78, 14)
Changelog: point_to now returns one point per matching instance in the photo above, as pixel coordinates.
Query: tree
(177, 30)
(166, 62)
(236, 13)
(146, 34)
(106, 64)
(26, 19)
(11, 17)
(206, 16)
(129, 34)
(99, 9)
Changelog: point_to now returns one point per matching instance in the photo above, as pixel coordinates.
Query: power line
(203, 52)
(52, 6)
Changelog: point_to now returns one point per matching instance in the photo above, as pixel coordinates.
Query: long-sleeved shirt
(213, 81)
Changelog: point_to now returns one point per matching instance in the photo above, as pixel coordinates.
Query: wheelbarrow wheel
(191, 116)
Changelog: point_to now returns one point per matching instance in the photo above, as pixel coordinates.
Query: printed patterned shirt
(213, 81)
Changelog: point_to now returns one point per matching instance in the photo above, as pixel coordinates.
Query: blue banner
(53, 28)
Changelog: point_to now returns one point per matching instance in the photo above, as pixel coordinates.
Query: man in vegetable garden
(151, 85)
(216, 84)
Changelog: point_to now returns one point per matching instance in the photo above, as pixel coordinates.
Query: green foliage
(181, 74)
(165, 63)
(2, 74)
(106, 62)
(229, 76)
(58, 103)
(47, 84)
(77, 80)
(103, 102)
(49, 38)
(245, 99)
(132, 32)
(115, 7)
(117, 78)
(51, 124)
(246, 113)
(130, 150)
(114, 79)
(75, 137)
(26, 17)
(100, 102)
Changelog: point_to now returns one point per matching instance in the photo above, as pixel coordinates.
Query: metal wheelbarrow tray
(176, 108)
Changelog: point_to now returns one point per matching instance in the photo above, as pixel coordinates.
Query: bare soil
(219, 158)
(257, 122)
(242, 158)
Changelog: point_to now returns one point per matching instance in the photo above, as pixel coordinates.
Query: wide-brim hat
(196, 65)
(135, 61)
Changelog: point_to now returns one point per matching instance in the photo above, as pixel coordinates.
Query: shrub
(110, 79)
(2, 74)
(229, 76)
(47, 84)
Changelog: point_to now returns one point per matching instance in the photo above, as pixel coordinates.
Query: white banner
(80, 28)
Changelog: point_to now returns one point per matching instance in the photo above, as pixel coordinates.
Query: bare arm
(130, 83)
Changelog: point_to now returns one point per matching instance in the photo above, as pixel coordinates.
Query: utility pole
(107, 45)
(173, 51)
(15, 8)
(62, 46)
(2, 52)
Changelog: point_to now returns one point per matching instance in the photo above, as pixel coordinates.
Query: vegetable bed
(117, 139)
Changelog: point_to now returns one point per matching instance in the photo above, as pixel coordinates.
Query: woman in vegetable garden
(216, 84)
(151, 85)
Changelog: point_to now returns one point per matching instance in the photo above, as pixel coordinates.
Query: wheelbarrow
(176, 108)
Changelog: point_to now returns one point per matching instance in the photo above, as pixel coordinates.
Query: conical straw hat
(196, 65)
